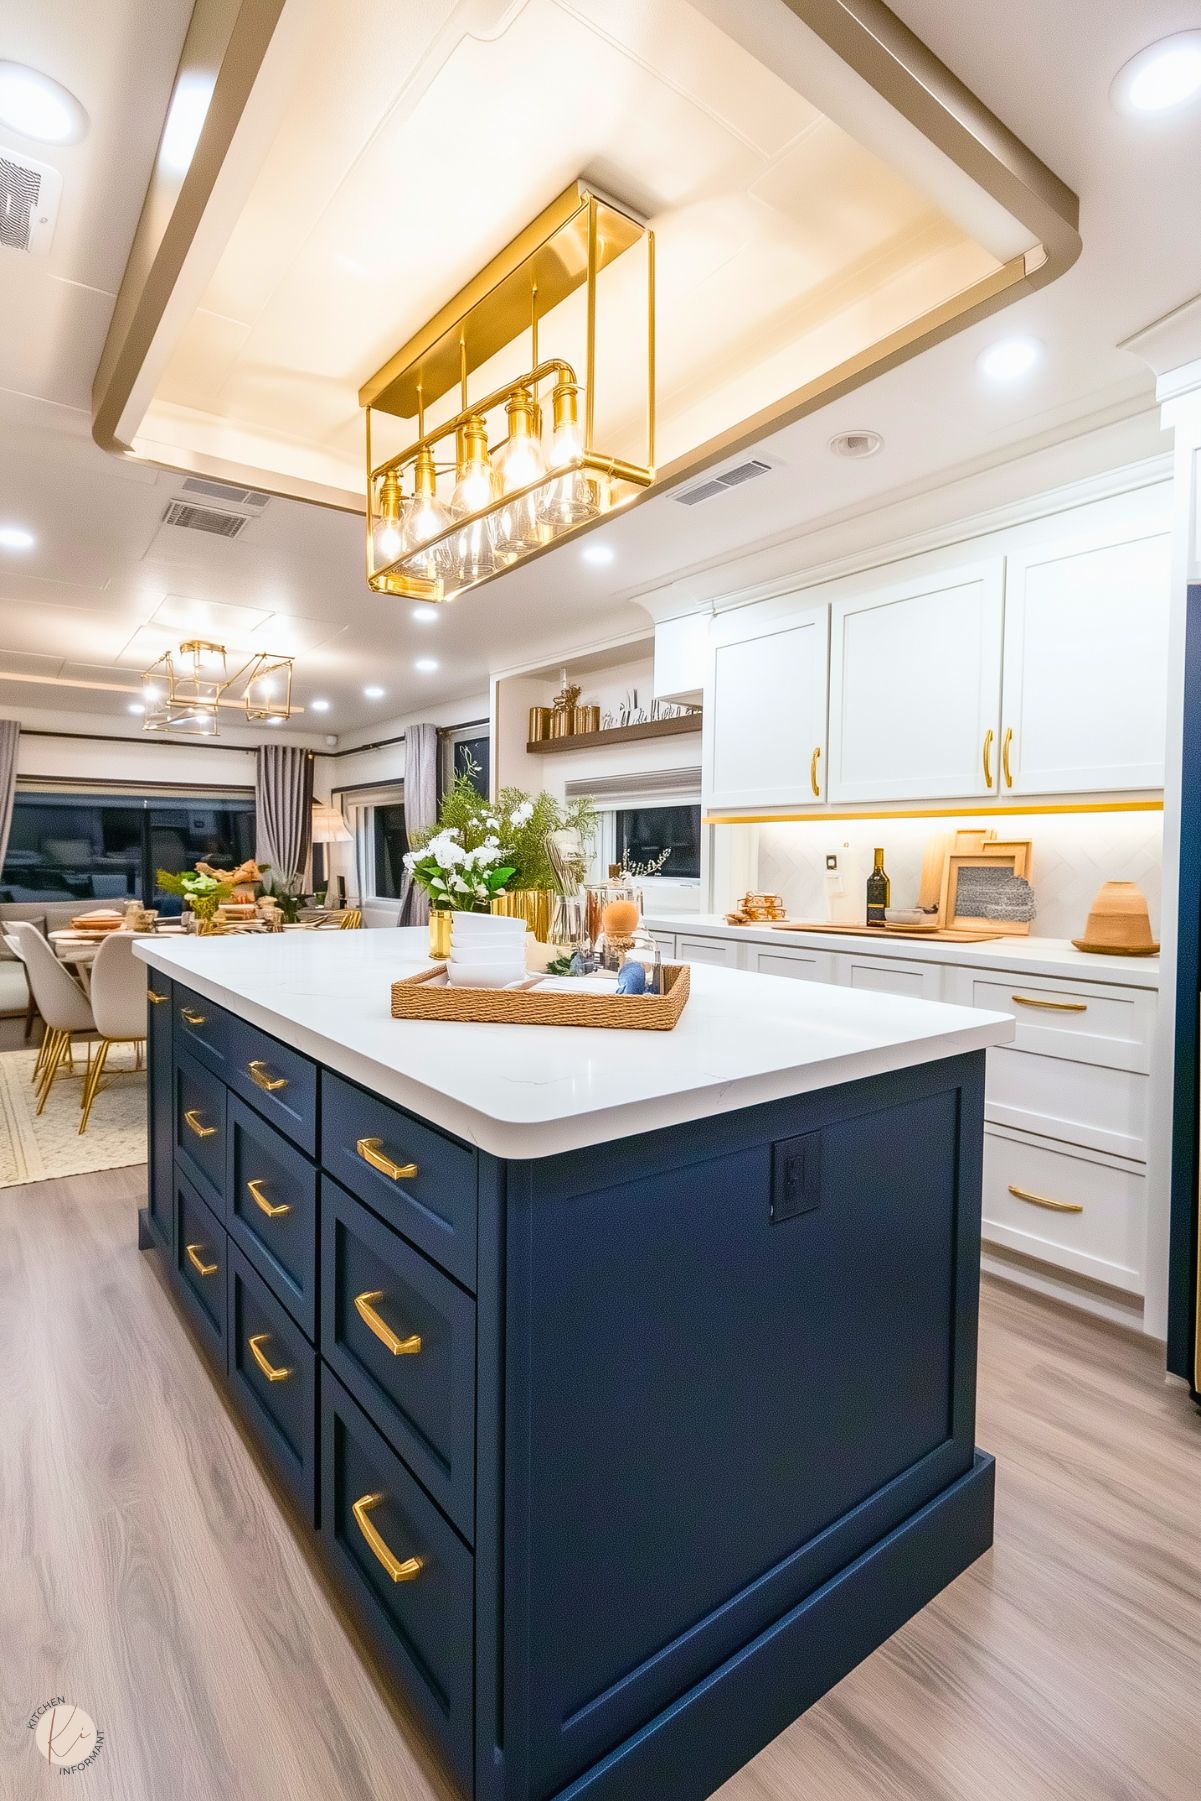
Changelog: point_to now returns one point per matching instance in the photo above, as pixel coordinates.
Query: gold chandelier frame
(187, 700)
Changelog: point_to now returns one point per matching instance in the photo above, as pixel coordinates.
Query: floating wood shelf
(618, 734)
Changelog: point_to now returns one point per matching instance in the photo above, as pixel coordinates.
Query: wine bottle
(879, 892)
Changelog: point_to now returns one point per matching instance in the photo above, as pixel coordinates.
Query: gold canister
(561, 720)
(534, 905)
(586, 719)
(440, 934)
(539, 727)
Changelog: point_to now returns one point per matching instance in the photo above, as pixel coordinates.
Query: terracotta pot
(1119, 923)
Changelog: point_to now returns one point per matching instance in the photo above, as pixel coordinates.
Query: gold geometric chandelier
(184, 688)
(553, 441)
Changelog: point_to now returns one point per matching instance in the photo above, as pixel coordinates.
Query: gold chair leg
(95, 1071)
(62, 1044)
(49, 1048)
(40, 1060)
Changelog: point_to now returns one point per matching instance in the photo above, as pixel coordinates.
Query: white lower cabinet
(1083, 1103)
(889, 975)
(1073, 1208)
(801, 965)
(665, 940)
(692, 948)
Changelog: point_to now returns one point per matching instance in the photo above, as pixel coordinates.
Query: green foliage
(519, 822)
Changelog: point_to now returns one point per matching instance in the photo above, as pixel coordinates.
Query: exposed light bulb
(475, 488)
(519, 463)
(425, 520)
(576, 496)
(387, 536)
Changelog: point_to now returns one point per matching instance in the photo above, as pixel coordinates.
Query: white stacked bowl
(487, 950)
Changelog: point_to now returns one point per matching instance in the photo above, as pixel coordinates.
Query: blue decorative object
(631, 978)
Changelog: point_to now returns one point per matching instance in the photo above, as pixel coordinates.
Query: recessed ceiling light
(185, 122)
(1010, 359)
(37, 107)
(856, 444)
(319, 706)
(597, 553)
(15, 537)
(424, 615)
(1161, 77)
(275, 719)
(135, 706)
(427, 665)
(373, 693)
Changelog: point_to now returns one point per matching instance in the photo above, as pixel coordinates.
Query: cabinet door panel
(915, 684)
(766, 711)
(886, 975)
(1086, 645)
(708, 950)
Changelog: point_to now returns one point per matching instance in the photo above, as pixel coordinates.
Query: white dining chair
(13, 945)
(118, 995)
(60, 1000)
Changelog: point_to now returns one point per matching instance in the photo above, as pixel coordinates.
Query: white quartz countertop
(1038, 956)
(530, 1091)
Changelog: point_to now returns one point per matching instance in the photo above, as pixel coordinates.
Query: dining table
(78, 949)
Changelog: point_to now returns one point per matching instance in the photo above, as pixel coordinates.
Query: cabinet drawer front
(887, 975)
(280, 1083)
(401, 1336)
(199, 1128)
(1103, 1234)
(375, 1520)
(271, 1209)
(1110, 1026)
(198, 1265)
(413, 1177)
(199, 1027)
(273, 1375)
(801, 966)
(707, 950)
(1084, 1103)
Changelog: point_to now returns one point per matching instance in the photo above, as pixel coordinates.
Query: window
(643, 834)
(466, 747)
(389, 843)
(88, 847)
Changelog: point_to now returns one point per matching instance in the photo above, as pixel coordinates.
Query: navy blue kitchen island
(622, 1450)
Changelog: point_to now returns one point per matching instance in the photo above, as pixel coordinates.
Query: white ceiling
(102, 569)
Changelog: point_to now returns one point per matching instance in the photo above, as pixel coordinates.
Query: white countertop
(1040, 956)
(526, 1091)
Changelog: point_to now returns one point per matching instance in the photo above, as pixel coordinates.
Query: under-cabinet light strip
(964, 811)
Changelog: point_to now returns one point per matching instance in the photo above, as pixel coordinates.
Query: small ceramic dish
(487, 925)
(484, 975)
(486, 953)
(908, 916)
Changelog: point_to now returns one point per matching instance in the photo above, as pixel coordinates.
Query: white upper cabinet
(915, 687)
(1086, 639)
(765, 707)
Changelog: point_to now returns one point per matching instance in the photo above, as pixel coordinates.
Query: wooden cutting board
(943, 933)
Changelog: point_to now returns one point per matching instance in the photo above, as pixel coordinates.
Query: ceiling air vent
(29, 197)
(234, 497)
(203, 519)
(717, 484)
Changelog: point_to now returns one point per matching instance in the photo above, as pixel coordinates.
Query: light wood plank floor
(145, 1573)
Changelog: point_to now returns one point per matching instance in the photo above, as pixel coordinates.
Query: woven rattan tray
(422, 997)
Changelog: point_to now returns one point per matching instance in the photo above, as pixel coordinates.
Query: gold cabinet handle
(1005, 757)
(263, 1204)
(152, 994)
(988, 738)
(370, 1151)
(398, 1571)
(1041, 1200)
(813, 781)
(257, 1071)
(1031, 1000)
(192, 1120)
(192, 1018)
(255, 1347)
(197, 1261)
(364, 1306)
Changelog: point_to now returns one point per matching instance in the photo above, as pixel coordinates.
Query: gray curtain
(421, 811)
(283, 803)
(10, 734)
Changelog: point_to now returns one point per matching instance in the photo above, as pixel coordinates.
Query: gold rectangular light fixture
(184, 689)
(558, 332)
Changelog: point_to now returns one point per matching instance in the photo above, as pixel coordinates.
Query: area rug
(34, 1149)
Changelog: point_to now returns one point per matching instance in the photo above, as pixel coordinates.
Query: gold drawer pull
(263, 1204)
(1040, 1200)
(192, 1121)
(191, 1018)
(152, 994)
(369, 1150)
(269, 1370)
(197, 1261)
(988, 738)
(813, 781)
(364, 1306)
(399, 1572)
(1030, 1000)
(257, 1071)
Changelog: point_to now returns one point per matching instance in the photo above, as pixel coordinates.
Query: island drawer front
(271, 1209)
(423, 1622)
(1084, 1103)
(435, 1207)
(276, 1390)
(200, 1027)
(1079, 1020)
(199, 1127)
(1102, 1235)
(422, 1398)
(160, 1183)
(198, 1264)
(280, 1083)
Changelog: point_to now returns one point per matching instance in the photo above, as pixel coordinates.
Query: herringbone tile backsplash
(1073, 854)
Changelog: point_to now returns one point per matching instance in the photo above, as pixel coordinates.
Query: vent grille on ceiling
(717, 484)
(29, 197)
(203, 519)
(235, 497)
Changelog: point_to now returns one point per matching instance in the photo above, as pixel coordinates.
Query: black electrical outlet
(796, 1185)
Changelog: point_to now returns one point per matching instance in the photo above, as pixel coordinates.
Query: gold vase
(534, 905)
(440, 934)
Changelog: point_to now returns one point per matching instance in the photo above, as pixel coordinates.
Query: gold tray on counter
(422, 997)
